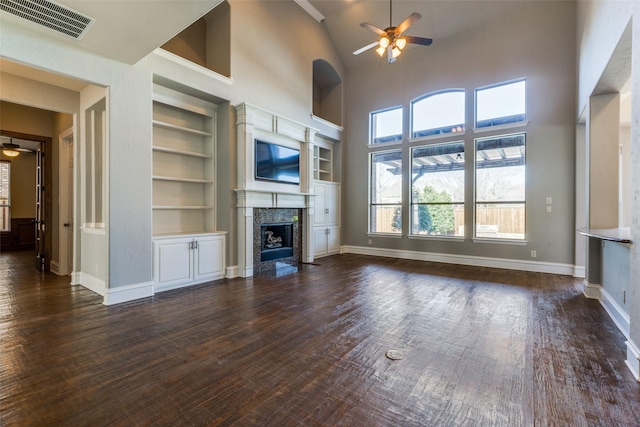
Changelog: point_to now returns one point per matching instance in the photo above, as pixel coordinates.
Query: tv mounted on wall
(277, 163)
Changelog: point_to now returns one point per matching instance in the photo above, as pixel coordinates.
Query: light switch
(548, 208)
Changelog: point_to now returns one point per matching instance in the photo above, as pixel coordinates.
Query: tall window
(385, 197)
(386, 125)
(501, 104)
(437, 190)
(500, 187)
(5, 196)
(438, 113)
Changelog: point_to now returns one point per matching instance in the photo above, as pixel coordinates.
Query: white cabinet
(326, 219)
(183, 163)
(326, 241)
(186, 260)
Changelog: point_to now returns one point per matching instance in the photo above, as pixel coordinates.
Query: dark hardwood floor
(482, 347)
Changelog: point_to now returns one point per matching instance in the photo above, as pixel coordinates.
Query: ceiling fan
(392, 41)
(10, 149)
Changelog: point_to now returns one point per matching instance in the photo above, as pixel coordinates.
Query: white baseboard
(75, 278)
(55, 267)
(128, 293)
(591, 290)
(633, 359)
(579, 271)
(90, 282)
(509, 264)
(232, 271)
(617, 314)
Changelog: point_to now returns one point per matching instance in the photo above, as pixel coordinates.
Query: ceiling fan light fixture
(10, 153)
(381, 50)
(10, 150)
(395, 52)
(401, 43)
(384, 42)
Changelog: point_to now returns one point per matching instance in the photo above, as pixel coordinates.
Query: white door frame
(65, 205)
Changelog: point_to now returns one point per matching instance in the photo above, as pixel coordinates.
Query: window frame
(501, 126)
(371, 204)
(475, 194)
(398, 139)
(459, 133)
(413, 203)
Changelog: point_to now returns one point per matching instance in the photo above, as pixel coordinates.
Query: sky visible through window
(500, 101)
(447, 108)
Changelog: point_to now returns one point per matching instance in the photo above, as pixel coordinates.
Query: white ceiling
(440, 19)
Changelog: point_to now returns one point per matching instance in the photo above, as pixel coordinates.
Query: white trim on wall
(633, 359)
(509, 264)
(128, 293)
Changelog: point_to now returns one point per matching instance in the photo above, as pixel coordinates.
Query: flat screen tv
(277, 163)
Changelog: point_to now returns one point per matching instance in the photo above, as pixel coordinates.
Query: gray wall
(538, 44)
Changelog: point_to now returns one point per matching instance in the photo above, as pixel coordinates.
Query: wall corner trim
(633, 359)
(232, 272)
(591, 290)
(128, 293)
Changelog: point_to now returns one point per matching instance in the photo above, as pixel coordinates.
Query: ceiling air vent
(50, 15)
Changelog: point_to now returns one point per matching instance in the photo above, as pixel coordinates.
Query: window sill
(500, 241)
(458, 239)
(500, 128)
(393, 236)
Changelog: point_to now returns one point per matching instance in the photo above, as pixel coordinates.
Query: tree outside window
(437, 190)
(385, 205)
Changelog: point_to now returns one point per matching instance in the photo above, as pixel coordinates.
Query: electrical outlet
(548, 208)
(533, 254)
(370, 241)
(549, 200)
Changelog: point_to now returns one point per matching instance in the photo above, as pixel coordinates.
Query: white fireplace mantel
(252, 123)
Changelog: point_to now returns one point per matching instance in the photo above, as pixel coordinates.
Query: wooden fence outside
(500, 219)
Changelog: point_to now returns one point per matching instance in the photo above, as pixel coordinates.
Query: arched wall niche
(327, 92)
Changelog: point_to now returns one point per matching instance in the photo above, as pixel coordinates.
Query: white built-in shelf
(322, 163)
(180, 152)
(183, 163)
(182, 207)
(179, 179)
(183, 129)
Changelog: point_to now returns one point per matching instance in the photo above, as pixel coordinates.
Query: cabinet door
(319, 216)
(209, 259)
(320, 241)
(333, 240)
(332, 204)
(172, 263)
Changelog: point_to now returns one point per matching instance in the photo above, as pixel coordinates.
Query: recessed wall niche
(206, 42)
(327, 92)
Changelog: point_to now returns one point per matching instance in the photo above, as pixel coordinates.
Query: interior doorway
(27, 225)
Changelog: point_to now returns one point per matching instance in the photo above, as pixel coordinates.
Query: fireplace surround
(283, 224)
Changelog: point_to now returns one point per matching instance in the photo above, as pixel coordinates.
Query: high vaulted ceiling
(129, 30)
(440, 19)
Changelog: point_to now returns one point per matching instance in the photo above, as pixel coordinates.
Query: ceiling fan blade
(418, 40)
(373, 28)
(404, 25)
(24, 150)
(365, 48)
